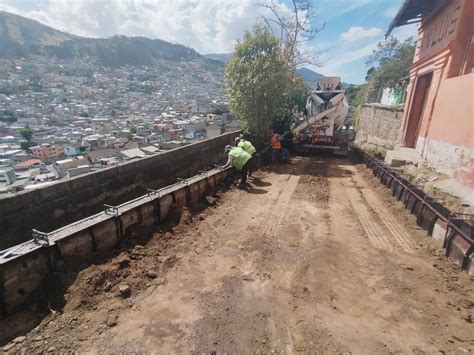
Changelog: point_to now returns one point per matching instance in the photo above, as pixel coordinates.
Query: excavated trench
(314, 257)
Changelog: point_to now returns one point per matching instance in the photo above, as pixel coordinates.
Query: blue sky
(352, 27)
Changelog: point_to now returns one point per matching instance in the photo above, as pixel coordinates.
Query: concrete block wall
(59, 204)
(22, 277)
(379, 127)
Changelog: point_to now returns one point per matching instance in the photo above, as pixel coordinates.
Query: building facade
(77, 148)
(438, 119)
(46, 151)
(7, 175)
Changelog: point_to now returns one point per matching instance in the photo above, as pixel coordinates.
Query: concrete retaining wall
(453, 160)
(62, 203)
(379, 127)
(24, 269)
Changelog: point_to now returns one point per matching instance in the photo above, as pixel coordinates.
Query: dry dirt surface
(315, 257)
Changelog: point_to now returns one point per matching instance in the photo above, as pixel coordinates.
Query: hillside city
(84, 117)
(216, 177)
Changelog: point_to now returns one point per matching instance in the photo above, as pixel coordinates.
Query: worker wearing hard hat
(240, 160)
(248, 148)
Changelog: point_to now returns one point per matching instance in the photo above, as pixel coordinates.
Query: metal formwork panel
(399, 191)
(427, 218)
(411, 201)
(418, 208)
(454, 231)
(440, 230)
(382, 176)
(388, 181)
(458, 249)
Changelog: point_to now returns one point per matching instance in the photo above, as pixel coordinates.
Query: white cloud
(207, 26)
(333, 65)
(356, 33)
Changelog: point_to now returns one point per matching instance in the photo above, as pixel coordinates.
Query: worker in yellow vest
(248, 148)
(240, 160)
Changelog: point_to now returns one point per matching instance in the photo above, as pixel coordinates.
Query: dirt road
(314, 258)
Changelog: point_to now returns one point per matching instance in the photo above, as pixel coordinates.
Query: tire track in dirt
(284, 267)
(375, 233)
(285, 241)
(395, 228)
(279, 209)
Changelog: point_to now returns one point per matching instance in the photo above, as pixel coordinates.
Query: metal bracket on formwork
(204, 173)
(183, 181)
(111, 210)
(156, 193)
(114, 212)
(461, 216)
(16, 250)
(468, 219)
(40, 237)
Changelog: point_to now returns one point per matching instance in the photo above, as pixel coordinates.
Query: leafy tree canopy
(261, 84)
(27, 145)
(257, 82)
(393, 59)
(7, 116)
(390, 62)
(26, 132)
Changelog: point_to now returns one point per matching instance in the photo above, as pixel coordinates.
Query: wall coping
(398, 108)
(91, 175)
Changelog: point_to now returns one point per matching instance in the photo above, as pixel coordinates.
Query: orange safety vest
(276, 144)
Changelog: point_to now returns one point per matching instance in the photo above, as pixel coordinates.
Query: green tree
(351, 92)
(258, 82)
(394, 59)
(26, 132)
(390, 62)
(298, 93)
(27, 145)
(8, 116)
(132, 130)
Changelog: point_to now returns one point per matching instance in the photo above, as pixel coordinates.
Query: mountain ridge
(24, 37)
(310, 76)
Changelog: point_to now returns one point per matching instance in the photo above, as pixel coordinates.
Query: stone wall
(56, 205)
(379, 127)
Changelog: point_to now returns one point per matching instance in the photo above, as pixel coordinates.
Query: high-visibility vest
(247, 146)
(239, 157)
(276, 144)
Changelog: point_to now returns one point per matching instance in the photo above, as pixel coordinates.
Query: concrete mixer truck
(324, 126)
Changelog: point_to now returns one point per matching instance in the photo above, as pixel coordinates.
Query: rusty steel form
(458, 228)
(25, 267)
(43, 239)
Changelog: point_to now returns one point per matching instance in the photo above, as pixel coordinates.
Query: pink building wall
(439, 121)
